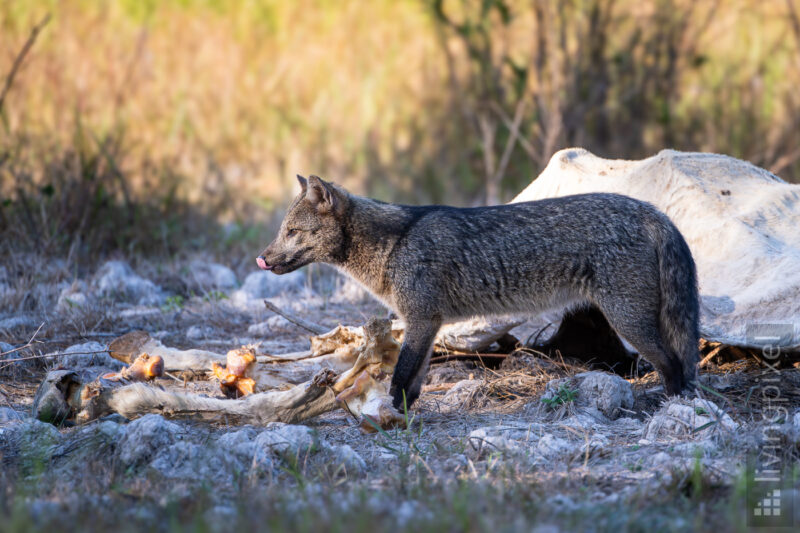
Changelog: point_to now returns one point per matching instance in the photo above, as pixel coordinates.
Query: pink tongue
(261, 263)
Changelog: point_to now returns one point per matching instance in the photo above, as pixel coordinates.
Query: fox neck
(371, 231)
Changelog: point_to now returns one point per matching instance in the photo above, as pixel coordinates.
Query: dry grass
(137, 127)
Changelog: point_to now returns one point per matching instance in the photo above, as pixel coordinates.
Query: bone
(271, 372)
(293, 405)
(128, 347)
(363, 357)
(236, 379)
(144, 368)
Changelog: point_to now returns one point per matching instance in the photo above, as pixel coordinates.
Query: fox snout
(273, 261)
(262, 263)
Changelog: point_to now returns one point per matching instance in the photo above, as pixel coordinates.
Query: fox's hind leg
(638, 323)
(412, 364)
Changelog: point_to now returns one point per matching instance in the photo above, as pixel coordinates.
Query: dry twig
(316, 329)
(26, 345)
(21, 57)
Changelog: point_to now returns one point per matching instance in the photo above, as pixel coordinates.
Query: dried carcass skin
(342, 339)
(368, 399)
(377, 353)
(363, 390)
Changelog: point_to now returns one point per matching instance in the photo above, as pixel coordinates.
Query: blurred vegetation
(151, 126)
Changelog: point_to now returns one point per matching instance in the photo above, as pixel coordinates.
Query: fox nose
(262, 263)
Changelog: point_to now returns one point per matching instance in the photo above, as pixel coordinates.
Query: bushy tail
(680, 303)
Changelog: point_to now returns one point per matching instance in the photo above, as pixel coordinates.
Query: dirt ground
(533, 443)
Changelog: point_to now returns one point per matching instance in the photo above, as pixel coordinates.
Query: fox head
(312, 230)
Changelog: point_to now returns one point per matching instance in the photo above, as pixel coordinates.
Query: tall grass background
(154, 127)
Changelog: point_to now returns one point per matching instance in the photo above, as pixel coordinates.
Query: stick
(467, 357)
(710, 355)
(45, 356)
(57, 354)
(316, 329)
(20, 57)
(512, 140)
(26, 345)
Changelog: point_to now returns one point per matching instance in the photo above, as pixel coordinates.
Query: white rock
(702, 448)
(258, 285)
(220, 517)
(627, 424)
(199, 332)
(285, 439)
(239, 443)
(118, 281)
(562, 503)
(5, 283)
(790, 429)
(597, 441)
(274, 324)
(5, 347)
(18, 321)
(9, 416)
(477, 333)
(796, 426)
(682, 419)
(86, 443)
(189, 461)
(145, 437)
(72, 297)
(347, 456)
(459, 395)
(29, 438)
(349, 291)
(81, 356)
(717, 382)
(546, 528)
(107, 429)
(409, 511)
(5, 289)
(740, 222)
(608, 393)
(660, 459)
(140, 311)
(499, 439)
(213, 276)
(589, 418)
(551, 446)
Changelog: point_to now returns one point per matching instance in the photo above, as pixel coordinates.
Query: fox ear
(321, 194)
(303, 184)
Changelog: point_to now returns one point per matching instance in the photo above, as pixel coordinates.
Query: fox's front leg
(412, 364)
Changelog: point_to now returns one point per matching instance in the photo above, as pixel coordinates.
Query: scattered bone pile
(346, 368)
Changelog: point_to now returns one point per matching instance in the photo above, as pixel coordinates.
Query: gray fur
(437, 264)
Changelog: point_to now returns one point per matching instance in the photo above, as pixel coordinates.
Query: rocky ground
(533, 443)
